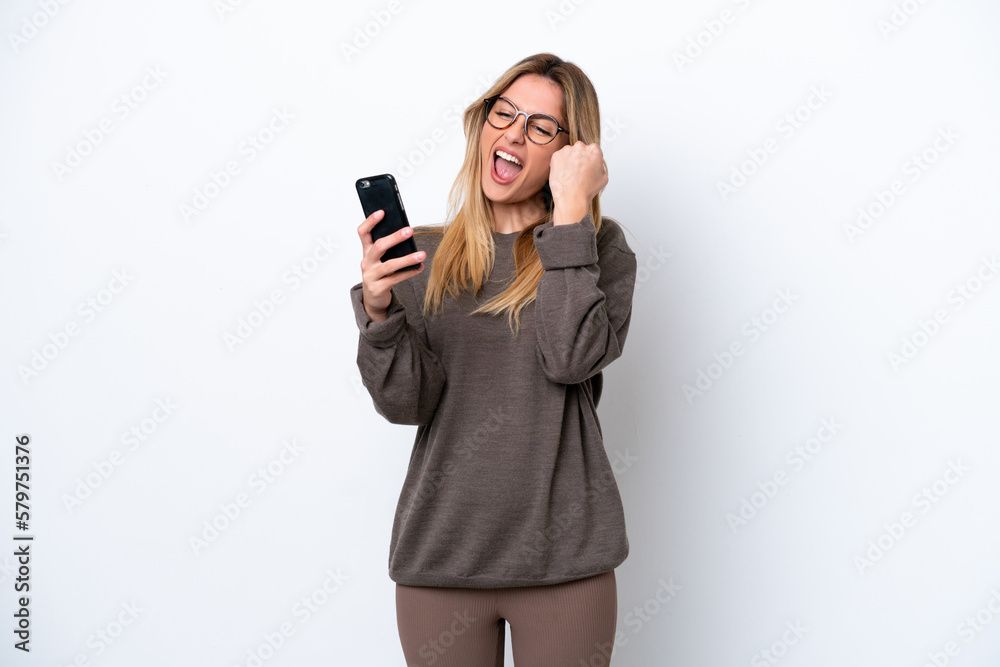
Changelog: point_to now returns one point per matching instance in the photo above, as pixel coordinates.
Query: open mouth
(506, 167)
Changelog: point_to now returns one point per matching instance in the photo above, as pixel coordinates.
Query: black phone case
(381, 192)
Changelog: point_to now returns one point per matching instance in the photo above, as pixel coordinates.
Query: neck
(510, 218)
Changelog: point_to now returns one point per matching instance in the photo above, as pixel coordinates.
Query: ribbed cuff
(379, 334)
(565, 246)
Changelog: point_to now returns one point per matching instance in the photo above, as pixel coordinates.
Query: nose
(516, 133)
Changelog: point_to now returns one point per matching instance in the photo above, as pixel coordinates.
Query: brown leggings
(571, 624)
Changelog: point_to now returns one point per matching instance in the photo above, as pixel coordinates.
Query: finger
(365, 228)
(387, 271)
(393, 239)
(379, 248)
(409, 264)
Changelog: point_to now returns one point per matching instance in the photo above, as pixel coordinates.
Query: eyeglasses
(538, 127)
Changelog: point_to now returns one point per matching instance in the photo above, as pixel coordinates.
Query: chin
(497, 193)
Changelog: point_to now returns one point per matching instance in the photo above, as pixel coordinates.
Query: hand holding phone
(382, 193)
(390, 255)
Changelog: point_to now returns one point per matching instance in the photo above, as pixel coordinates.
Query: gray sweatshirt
(508, 481)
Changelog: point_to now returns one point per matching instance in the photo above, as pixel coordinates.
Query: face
(511, 184)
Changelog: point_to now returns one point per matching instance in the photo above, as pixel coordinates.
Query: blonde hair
(465, 254)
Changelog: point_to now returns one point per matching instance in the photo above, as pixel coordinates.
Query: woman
(509, 510)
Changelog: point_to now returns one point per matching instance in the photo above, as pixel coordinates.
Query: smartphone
(382, 192)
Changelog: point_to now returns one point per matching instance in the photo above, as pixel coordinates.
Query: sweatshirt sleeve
(403, 376)
(583, 305)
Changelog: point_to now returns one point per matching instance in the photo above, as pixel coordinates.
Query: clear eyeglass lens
(541, 129)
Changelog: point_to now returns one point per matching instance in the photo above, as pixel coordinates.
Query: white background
(674, 131)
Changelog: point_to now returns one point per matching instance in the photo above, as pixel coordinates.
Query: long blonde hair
(465, 254)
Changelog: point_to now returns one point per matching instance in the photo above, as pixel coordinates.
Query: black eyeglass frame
(517, 112)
